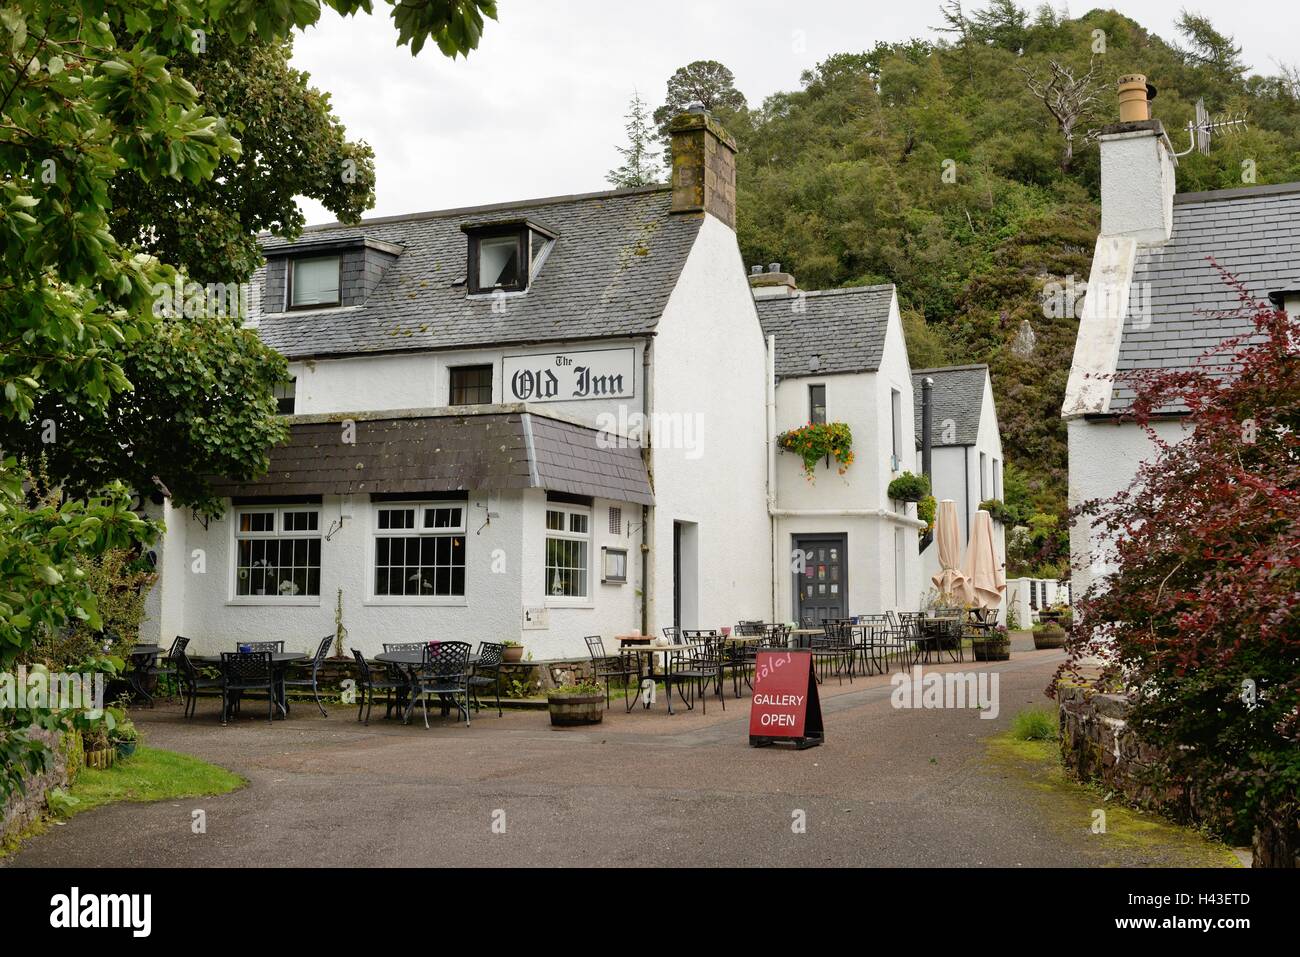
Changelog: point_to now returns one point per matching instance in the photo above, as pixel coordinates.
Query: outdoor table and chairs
(636, 652)
(433, 669)
(140, 668)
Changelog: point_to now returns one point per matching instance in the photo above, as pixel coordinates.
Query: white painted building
(533, 421)
(966, 451)
(841, 547)
(1151, 303)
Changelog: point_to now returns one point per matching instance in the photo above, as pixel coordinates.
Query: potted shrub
(909, 488)
(513, 653)
(816, 441)
(994, 645)
(575, 704)
(1049, 635)
(125, 738)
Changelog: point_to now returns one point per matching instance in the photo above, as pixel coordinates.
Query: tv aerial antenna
(1204, 127)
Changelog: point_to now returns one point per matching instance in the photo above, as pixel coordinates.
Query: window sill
(255, 601)
(457, 601)
(570, 603)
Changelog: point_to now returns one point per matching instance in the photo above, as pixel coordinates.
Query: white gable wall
(709, 368)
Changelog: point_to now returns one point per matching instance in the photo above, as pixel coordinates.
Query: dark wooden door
(821, 585)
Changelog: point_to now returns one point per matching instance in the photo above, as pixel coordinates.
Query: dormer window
(314, 282)
(504, 258)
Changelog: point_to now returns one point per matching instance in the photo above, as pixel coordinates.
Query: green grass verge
(148, 775)
(1131, 836)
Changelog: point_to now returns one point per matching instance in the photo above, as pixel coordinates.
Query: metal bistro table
(798, 634)
(410, 660)
(141, 659)
(280, 662)
(633, 645)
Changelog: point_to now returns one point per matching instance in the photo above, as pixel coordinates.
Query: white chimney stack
(1137, 169)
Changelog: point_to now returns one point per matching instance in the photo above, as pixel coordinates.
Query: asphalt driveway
(889, 787)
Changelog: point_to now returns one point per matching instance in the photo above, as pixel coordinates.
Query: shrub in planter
(995, 646)
(909, 488)
(124, 738)
(816, 441)
(1050, 635)
(513, 652)
(576, 704)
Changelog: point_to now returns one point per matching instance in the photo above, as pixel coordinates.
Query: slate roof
(844, 329)
(446, 453)
(958, 395)
(609, 273)
(1253, 232)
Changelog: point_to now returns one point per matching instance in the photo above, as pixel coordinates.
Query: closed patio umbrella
(982, 567)
(951, 581)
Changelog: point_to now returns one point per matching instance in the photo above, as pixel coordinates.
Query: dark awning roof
(448, 452)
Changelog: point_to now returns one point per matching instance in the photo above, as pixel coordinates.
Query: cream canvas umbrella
(951, 582)
(982, 567)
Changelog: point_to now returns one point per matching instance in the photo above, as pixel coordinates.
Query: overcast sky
(537, 109)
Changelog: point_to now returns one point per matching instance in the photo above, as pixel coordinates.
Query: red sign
(785, 702)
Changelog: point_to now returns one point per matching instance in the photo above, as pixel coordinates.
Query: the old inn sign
(566, 376)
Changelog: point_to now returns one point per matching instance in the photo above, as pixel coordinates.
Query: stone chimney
(773, 283)
(704, 166)
(1137, 169)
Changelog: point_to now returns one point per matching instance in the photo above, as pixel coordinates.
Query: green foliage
(925, 511)
(1034, 724)
(110, 392)
(842, 181)
(706, 82)
(816, 441)
(582, 688)
(639, 167)
(909, 488)
(998, 511)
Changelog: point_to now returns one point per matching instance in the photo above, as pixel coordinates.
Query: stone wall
(1097, 746)
(21, 809)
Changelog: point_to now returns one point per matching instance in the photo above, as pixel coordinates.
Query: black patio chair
(400, 672)
(699, 667)
(871, 643)
(191, 682)
(322, 650)
(490, 654)
(368, 684)
(834, 648)
(607, 667)
(777, 636)
(243, 671)
(444, 673)
(274, 646)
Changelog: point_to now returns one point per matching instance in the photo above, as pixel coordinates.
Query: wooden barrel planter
(1050, 635)
(991, 649)
(569, 710)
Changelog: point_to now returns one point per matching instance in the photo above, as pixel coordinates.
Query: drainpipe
(777, 564)
(927, 443)
(648, 458)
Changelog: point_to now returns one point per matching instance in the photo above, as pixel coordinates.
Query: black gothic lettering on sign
(589, 384)
(526, 384)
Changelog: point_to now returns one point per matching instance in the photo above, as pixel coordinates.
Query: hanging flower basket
(814, 442)
(909, 488)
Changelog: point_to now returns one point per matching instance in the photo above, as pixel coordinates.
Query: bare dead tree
(1069, 98)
